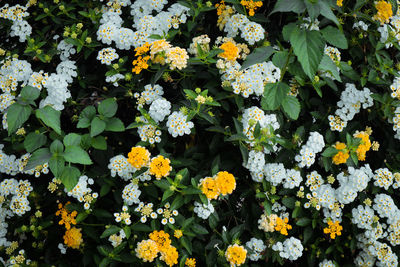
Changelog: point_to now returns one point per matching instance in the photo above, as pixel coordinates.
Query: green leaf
(56, 165)
(33, 141)
(259, 55)
(296, 6)
(326, 11)
(328, 65)
(329, 152)
(335, 37)
(287, 31)
(110, 231)
(303, 222)
(167, 194)
(291, 106)
(17, 114)
(76, 154)
(273, 95)
(289, 202)
(56, 147)
(186, 244)
(29, 93)
(141, 228)
(69, 177)
(50, 117)
(89, 112)
(313, 9)
(39, 157)
(115, 125)
(108, 107)
(72, 139)
(308, 46)
(97, 126)
(198, 229)
(99, 142)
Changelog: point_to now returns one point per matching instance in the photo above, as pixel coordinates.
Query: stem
(286, 63)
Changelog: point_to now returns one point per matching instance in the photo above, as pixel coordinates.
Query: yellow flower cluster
(140, 63)
(282, 225)
(178, 233)
(334, 229)
(235, 255)
(66, 218)
(190, 262)
(147, 250)
(159, 241)
(342, 155)
(231, 51)
(73, 237)
(224, 12)
(251, 6)
(139, 157)
(161, 52)
(364, 146)
(384, 13)
(339, 3)
(160, 167)
(223, 183)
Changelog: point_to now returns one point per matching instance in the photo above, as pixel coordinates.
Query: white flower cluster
(202, 210)
(308, 152)
(360, 25)
(256, 247)
(251, 80)
(82, 192)
(107, 55)
(146, 210)
(149, 133)
(310, 25)
(38, 79)
(253, 115)
(178, 125)
(16, 14)
(159, 109)
(290, 249)
(21, 29)
(131, 193)
(114, 79)
(11, 165)
(66, 50)
(145, 23)
(149, 94)
(390, 32)
(116, 239)
(15, 194)
(383, 178)
(203, 41)
(326, 263)
(255, 164)
(120, 165)
(252, 32)
(351, 102)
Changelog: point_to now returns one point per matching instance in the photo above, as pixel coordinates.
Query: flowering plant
(218, 133)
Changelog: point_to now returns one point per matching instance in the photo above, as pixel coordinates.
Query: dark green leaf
(76, 154)
(17, 114)
(308, 46)
(69, 177)
(108, 107)
(296, 6)
(29, 93)
(115, 125)
(33, 141)
(273, 95)
(259, 55)
(39, 157)
(50, 117)
(97, 126)
(291, 106)
(72, 139)
(335, 37)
